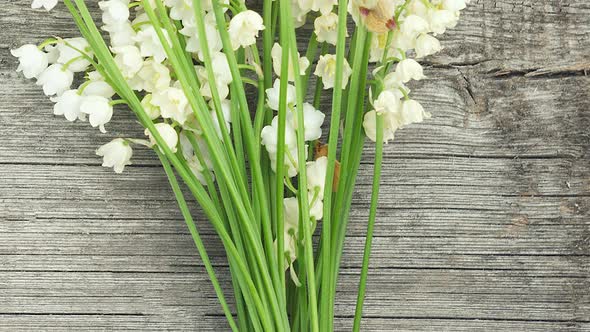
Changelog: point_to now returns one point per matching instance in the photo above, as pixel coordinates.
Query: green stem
(196, 237)
(291, 45)
(370, 226)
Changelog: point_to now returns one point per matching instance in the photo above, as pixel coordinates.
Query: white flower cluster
(142, 60)
(412, 30)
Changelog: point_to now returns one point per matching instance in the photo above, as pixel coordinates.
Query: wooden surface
(484, 222)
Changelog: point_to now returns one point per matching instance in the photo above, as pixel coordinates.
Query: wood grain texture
(484, 223)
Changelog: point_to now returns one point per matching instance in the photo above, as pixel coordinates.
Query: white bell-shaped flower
(151, 110)
(323, 6)
(387, 102)
(52, 53)
(181, 9)
(55, 79)
(427, 45)
(149, 43)
(409, 69)
(99, 111)
(299, 14)
(68, 105)
(440, 20)
(390, 125)
(154, 76)
(69, 53)
(273, 95)
(128, 59)
(316, 176)
(326, 69)
(221, 68)
(121, 34)
(98, 88)
(244, 27)
(326, 28)
(32, 61)
(222, 88)
(114, 12)
(213, 37)
(313, 120)
(276, 53)
(173, 104)
(269, 138)
(454, 5)
(291, 215)
(167, 133)
(116, 154)
(413, 25)
(412, 112)
(47, 4)
(378, 44)
(316, 206)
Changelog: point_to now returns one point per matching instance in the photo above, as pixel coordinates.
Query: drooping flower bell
(116, 154)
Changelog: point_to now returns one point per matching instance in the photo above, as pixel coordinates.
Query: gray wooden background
(484, 222)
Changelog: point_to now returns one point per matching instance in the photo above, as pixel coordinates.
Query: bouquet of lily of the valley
(261, 168)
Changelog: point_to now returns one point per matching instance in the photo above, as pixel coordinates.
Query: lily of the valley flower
(269, 138)
(55, 79)
(168, 134)
(114, 12)
(440, 20)
(276, 53)
(412, 112)
(326, 28)
(326, 69)
(413, 25)
(316, 176)
(116, 154)
(150, 109)
(121, 34)
(273, 95)
(128, 59)
(244, 27)
(47, 4)
(68, 105)
(173, 104)
(32, 61)
(149, 43)
(390, 125)
(427, 45)
(69, 53)
(388, 101)
(454, 5)
(154, 76)
(313, 121)
(99, 111)
(409, 69)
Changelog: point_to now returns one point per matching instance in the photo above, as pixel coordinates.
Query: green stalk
(350, 140)
(252, 149)
(280, 163)
(370, 226)
(215, 197)
(91, 33)
(196, 237)
(326, 246)
(287, 24)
